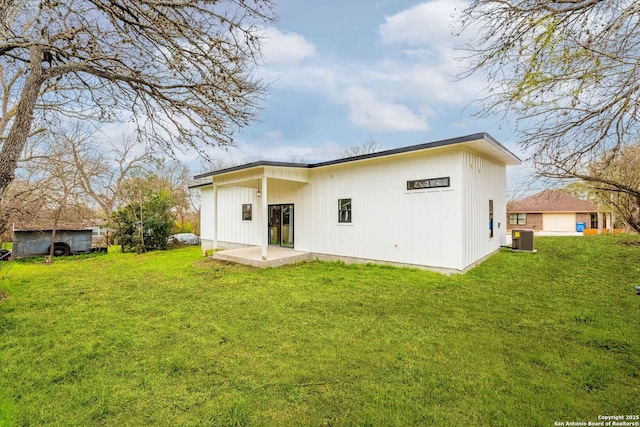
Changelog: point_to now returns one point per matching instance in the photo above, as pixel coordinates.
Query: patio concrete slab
(252, 255)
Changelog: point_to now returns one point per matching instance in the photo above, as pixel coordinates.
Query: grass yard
(172, 339)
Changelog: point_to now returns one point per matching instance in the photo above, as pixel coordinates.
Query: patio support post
(265, 220)
(215, 217)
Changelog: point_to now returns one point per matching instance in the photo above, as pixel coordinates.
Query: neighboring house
(555, 211)
(439, 205)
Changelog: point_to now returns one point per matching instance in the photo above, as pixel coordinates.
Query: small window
(518, 219)
(246, 211)
(344, 210)
(419, 184)
(594, 220)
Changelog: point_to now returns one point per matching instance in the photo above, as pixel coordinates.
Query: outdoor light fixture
(258, 193)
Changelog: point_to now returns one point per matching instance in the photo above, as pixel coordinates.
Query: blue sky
(346, 72)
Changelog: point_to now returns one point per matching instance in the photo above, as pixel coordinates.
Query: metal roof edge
(252, 165)
(435, 144)
(200, 185)
(491, 140)
(408, 149)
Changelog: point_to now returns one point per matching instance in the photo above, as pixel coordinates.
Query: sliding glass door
(281, 225)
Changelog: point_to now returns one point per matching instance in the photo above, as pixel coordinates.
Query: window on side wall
(490, 219)
(247, 209)
(344, 210)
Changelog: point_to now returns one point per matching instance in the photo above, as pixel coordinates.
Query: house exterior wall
(534, 222)
(390, 223)
(230, 225)
(483, 180)
(445, 227)
(584, 217)
(207, 217)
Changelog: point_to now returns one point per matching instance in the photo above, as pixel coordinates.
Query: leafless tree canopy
(48, 192)
(616, 183)
(569, 70)
(181, 70)
(367, 147)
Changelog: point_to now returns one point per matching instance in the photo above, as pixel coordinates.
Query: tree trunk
(19, 132)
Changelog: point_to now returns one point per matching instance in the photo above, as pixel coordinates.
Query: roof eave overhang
(482, 143)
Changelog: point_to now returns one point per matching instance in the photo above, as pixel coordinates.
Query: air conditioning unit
(522, 240)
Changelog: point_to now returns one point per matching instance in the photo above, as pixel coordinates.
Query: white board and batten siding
(484, 180)
(231, 227)
(207, 217)
(241, 188)
(389, 222)
(443, 227)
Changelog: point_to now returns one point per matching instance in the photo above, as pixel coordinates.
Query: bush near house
(145, 225)
(169, 338)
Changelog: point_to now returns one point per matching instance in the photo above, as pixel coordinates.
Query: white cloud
(284, 48)
(428, 70)
(274, 134)
(426, 24)
(369, 112)
(437, 84)
(412, 78)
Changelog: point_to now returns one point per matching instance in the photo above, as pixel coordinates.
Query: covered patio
(261, 177)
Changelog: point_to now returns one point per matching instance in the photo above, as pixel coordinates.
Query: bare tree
(22, 204)
(49, 194)
(56, 172)
(568, 71)
(102, 170)
(615, 182)
(69, 176)
(5, 6)
(98, 168)
(180, 70)
(367, 147)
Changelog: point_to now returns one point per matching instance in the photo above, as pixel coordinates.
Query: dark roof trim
(441, 143)
(201, 184)
(252, 165)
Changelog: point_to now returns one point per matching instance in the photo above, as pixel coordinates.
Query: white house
(439, 205)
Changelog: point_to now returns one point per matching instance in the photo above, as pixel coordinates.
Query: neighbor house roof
(551, 201)
(479, 142)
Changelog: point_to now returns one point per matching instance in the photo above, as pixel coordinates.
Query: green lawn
(172, 339)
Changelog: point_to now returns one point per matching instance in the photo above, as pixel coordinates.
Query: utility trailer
(33, 243)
